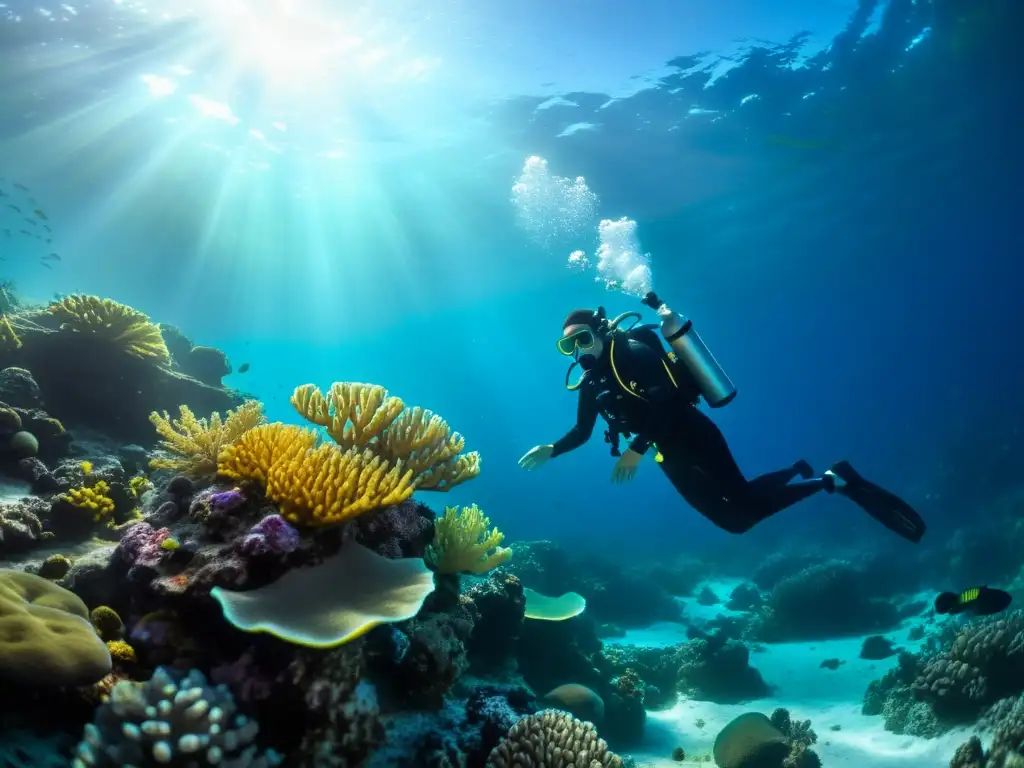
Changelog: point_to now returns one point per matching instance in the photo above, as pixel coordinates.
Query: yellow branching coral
(9, 340)
(94, 498)
(192, 445)
(463, 543)
(130, 329)
(139, 484)
(364, 416)
(314, 484)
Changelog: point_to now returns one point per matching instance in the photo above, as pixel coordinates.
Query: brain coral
(45, 634)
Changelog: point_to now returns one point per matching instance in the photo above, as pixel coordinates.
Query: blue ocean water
(830, 190)
(825, 188)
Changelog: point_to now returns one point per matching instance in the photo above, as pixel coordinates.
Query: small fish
(22, 187)
(7, 232)
(53, 256)
(41, 215)
(25, 232)
(46, 265)
(243, 368)
(32, 222)
(47, 227)
(49, 240)
(3, 194)
(14, 208)
(981, 601)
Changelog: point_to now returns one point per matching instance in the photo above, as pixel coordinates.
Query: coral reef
(612, 593)
(128, 375)
(718, 669)
(711, 667)
(295, 572)
(825, 600)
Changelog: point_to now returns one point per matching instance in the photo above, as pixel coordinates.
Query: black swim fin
(887, 508)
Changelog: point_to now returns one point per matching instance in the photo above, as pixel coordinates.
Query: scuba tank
(678, 331)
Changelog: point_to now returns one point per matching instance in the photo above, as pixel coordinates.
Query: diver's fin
(804, 469)
(887, 508)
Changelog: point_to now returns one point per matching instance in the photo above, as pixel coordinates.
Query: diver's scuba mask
(581, 340)
(579, 344)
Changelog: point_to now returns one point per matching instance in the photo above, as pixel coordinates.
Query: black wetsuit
(696, 458)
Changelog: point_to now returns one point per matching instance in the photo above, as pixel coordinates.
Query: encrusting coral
(120, 324)
(364, 416)
(191, 446)
(463, 544)
(313, 485)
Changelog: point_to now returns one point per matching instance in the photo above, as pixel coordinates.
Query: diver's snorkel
(678, 331)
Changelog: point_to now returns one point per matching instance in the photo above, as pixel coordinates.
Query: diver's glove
(626, 466)
(536, 456)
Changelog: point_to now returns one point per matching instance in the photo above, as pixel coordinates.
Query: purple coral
(270, 536)
(225, 501)
(215, 508)
(140, 545)
(402, 530)
(245, 678)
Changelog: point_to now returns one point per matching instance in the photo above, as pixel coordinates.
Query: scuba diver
(651, 396)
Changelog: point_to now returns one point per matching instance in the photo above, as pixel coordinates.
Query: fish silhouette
(14, 208)
(22, 187)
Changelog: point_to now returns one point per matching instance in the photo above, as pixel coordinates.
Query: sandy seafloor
(828, 698)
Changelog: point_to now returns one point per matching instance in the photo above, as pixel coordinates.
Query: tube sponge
(314, 485)
(167, 721)
(332, 603)
(128, 328)
(462, 543)
(359, 415)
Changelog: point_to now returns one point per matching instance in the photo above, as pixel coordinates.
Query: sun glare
(289, 43)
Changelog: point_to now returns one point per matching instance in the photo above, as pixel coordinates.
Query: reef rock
(86, 380)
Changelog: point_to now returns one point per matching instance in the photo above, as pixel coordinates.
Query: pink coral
(140, 545)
